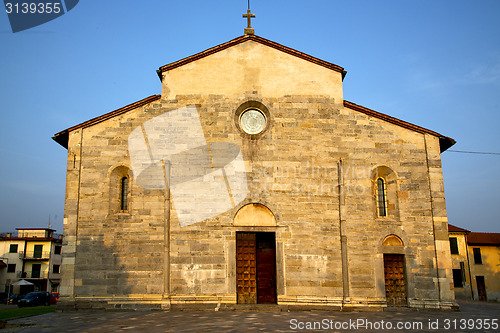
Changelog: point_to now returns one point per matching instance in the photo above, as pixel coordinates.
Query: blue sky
(433, 63)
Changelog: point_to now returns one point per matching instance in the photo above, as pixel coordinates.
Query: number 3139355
(471, 324)
(33, 8)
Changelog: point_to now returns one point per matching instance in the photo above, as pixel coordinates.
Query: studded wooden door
(395, 281)
(246, 267)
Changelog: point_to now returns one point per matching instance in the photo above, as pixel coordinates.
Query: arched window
(124, 193)
(381, 198)
(121, 200)
(385, 193)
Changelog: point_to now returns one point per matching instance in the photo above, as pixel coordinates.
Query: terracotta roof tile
(452, 228)
(483, 238)
(445, 142)
(62, 137)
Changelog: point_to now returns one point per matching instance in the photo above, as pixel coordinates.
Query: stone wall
(143, 257)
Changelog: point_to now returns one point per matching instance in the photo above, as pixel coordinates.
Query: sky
(432, 63)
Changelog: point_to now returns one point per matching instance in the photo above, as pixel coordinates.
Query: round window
(253, 121)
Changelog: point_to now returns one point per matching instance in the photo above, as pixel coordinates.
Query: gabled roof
(452, 228)
(246, 38)
(484, 238)
(444, 141)
(62, 137)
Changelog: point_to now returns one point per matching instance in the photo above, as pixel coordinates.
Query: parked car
(34, 299)
(54, 297)
(14, 298)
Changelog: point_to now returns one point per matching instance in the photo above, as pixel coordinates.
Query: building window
(13, 248)
(57, 249)
(123, 193)
(477, 256)
(55, 269)
(11, 268)
(38, 251)
(120, 191)
(381, 198)
(453, 245)
(252, 118)
(35, 271)
(253, 121)
(457, 278)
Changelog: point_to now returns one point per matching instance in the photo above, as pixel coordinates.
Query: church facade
(250, 180)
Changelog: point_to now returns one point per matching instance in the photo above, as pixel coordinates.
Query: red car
(53, 298)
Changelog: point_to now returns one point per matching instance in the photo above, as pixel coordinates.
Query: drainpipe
(343, 238)
(166, 240)
(468, 268)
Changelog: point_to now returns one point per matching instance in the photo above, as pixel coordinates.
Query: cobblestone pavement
(473, 317)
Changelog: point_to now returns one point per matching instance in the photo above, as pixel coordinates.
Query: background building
(475, 263)
(484, 254)
(33, 255)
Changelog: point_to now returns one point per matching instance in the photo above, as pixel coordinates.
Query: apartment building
(33, 255)
(475, 264)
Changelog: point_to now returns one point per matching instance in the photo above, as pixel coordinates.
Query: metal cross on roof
(249, 30)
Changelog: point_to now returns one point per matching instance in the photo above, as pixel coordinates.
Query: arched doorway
(394, 271)
(255, 256)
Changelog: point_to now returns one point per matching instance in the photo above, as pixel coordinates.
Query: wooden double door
(256, 267)
(395, 280)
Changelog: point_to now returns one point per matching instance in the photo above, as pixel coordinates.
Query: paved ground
(470, 319)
